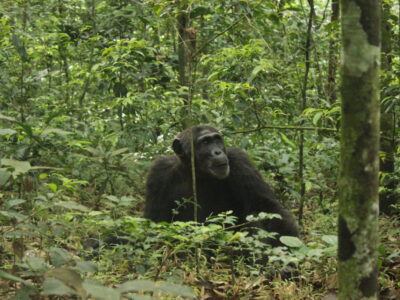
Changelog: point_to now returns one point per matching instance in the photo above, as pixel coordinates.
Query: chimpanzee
(225, 180)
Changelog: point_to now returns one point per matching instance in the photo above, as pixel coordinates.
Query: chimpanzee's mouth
(220, 170)
(221, 165)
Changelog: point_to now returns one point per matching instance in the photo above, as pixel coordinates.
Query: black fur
(243, 190)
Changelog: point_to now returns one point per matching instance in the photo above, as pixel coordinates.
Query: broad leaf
(291, 241)
(20, 167)
(10, 277)
(330, 239)
(53, 286)
(163, 287)
(100, 292)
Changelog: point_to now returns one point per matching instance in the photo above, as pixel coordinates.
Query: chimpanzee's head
(210, 154)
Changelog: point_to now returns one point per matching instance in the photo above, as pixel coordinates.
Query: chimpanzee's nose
(217, 152)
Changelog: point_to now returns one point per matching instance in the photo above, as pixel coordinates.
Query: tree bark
(186, 49)
(333, 57)
(359, 165)
(303, 106)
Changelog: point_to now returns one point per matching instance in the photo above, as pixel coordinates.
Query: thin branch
(286, 128)
(217, 35)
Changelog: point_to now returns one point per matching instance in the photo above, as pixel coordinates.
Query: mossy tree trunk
(359, 166)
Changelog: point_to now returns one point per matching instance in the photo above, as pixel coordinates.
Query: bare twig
(285, 128)
(217, 35)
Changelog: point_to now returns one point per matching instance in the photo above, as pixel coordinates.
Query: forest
(301, 100)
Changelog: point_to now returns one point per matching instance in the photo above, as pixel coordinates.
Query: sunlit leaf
(291, 241)
(20, 167)
(317, 117)
(72, 205)
(4, 117)
(58, 131)
(7, 131)
(330, 239)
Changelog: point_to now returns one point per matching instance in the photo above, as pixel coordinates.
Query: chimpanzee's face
(211, 155)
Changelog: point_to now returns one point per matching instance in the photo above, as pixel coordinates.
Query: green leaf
(308, 185)
(19, 46)
(37, 264)
(330, 239)
(14, 202)
(262, 216)
(158, 287)
(100, 292)
(118, 152)
(25, 292)
(43, 175)
(86, 266)
(200, 11)
(4, 176)
(10, 277)
(7, 131)
(4, 117)
(113, 198)
(58, 131)
(214, 76)
(64, 280)
(59, 257)
(53, 187)
(140, 297)
(53, 286)
(315, 253)
(176, 289)
(93, 151)
(20, 233)
(137, 285)
(317, 117)
(72, 205)
(335, 109)
(254, 73)
(291, 241)
(13, 215)
(237, 236)
(20, 167)
(287, 141)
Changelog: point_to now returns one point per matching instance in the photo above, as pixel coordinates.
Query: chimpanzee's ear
(177, 147)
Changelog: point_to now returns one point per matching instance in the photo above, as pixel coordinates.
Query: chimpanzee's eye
(205, 141)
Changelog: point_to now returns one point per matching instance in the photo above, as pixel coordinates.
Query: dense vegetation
(91, 91)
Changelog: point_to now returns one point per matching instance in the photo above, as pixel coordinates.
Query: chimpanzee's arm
(159, 189)
(256, 195)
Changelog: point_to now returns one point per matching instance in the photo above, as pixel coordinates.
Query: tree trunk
(359, 165)
(333, 57)
(303, 106)
(186, 49)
